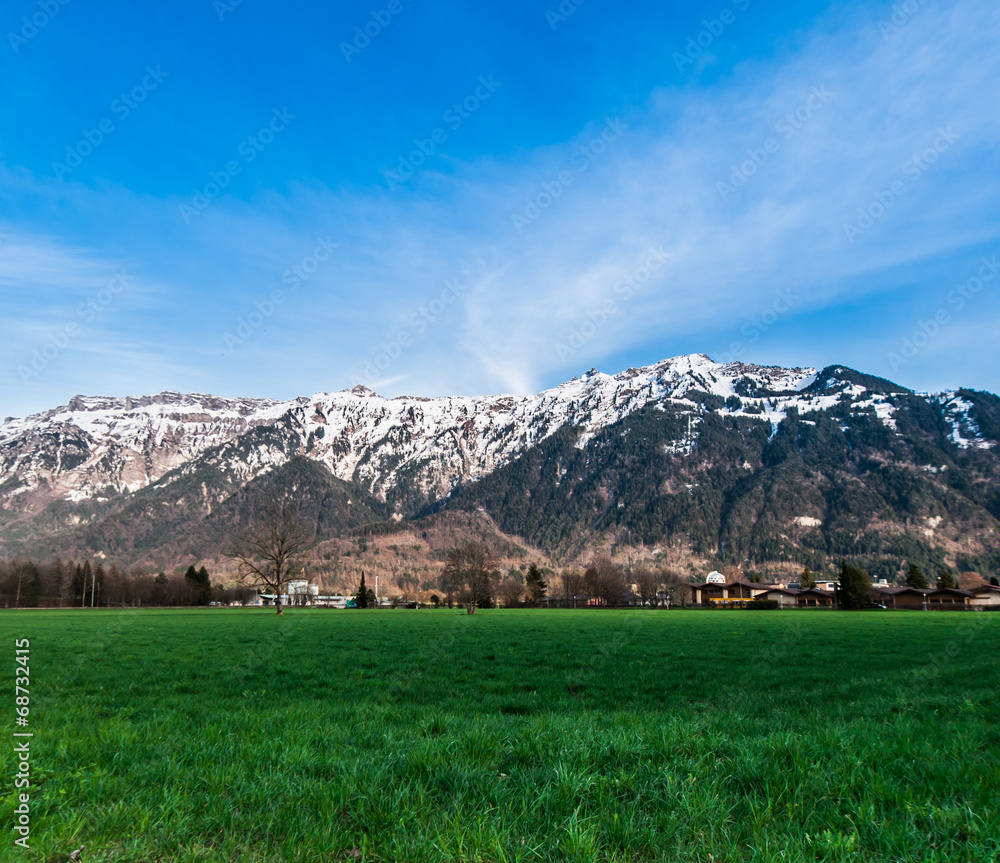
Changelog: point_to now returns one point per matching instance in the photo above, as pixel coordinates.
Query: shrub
(764, 604)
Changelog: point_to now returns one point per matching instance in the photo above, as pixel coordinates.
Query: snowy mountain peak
(95, 443)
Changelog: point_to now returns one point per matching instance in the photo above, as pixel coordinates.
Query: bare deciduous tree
(605, 581)
(572, 585)
(647, 584)
(267, 552)
(23, 572)
(510, 591)
(678, 587)
(469, 573)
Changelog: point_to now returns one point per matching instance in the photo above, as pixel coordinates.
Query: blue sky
(260, 199)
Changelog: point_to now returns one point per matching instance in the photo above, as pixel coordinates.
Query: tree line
(68, 584)
(472, 578)
(269, 554)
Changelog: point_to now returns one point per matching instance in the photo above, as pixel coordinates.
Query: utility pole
(93, 584)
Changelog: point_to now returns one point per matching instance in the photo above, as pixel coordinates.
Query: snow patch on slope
(965, 433)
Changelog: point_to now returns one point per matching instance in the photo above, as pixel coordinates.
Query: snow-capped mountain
(94, 447)
(732, 462)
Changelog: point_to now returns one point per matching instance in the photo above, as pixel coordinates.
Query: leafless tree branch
(267, 553)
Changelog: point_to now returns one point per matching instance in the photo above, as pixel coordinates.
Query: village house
(921, 598)
(796, 597)
(737, 592)
(741, 593)
(987, 596)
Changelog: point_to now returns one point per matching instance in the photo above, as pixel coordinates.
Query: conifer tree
(915, 577)
(77, 585)
(160, 589)
(191, 580)
(57, 577)
(97, 586)
(807, 579)
(206, 586)
(535, 584)
(361, 597)
(199, 585)
(946, 580)
(855, 586)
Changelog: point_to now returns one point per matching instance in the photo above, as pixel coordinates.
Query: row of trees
(605, 583)
(945, 579)
(914, 577)
(28, 584)
(471, 577)
(267, 555)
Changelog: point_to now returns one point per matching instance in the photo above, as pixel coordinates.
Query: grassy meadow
(235, 735)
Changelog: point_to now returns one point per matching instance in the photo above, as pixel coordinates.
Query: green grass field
(235, 735)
